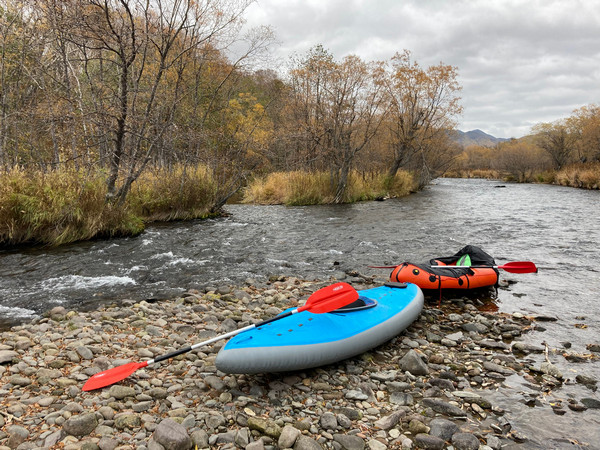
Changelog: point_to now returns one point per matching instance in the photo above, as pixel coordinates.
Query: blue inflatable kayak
(306, 340)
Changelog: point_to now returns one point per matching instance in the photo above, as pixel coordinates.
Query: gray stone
(215, 382)
(522, 347)
(256, 445)
(19, 380)
(328, 421)
(492, 367)
(306, 443)
(349, 442)
(413, 363)
(214, 421)
(550, 369)
(85, 352)
(591, 403)
(172, 436)
(199, 439)
(442, 428)
(354, 394)
(263, 426)
(401, 399)
(81, 425)
(16, 435)
(120, 392)
(108, 443)
(429, 442)
(7, 356)
(344, 421)
(443, 407)
(465, 441)
(127, 420)
(374, 444)
(493, 442)
(288, 436)
(390, 421)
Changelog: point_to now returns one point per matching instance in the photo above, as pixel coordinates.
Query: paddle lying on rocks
(513, 267)
(322, 301)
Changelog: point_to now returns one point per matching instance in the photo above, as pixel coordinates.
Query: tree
(585, 125)
(556, 139)
(135, 57)
(337, 106)
(422, 105)
(520, 158)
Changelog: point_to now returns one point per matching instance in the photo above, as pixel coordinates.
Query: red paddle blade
(330, 298)
(519, 267)
(112, 376)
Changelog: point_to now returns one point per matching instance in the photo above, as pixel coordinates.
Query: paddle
(513, 267)
(322, 301)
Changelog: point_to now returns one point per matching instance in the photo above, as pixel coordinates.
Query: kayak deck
(307, 340)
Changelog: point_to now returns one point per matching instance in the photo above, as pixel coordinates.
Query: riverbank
(430, 387)
(582, 176)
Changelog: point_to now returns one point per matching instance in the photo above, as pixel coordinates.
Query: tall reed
(585, 176)
(304, 188)
(59, 207)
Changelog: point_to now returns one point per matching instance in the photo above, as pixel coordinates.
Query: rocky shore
(427, 388)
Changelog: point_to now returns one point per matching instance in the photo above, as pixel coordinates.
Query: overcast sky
(520, 62)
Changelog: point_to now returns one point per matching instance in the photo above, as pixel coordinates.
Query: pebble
(417, 391)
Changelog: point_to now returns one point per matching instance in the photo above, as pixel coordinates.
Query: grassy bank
(59, 207)
(584, 176)
(303, 188)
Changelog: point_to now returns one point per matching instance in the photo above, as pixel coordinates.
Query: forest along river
(556, 227)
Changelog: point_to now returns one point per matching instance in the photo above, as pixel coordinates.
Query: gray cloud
(520, 62)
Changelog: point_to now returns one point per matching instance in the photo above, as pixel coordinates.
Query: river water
(556, 227)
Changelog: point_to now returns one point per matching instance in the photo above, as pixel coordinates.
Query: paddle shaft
(218, 338)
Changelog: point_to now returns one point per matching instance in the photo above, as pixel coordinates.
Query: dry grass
(178, 194)
(585, 176)
(303, 188)
(54, 208)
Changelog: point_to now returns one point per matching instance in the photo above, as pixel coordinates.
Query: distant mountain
(477, 137)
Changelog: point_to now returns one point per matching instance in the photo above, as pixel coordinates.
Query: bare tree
(422, 105)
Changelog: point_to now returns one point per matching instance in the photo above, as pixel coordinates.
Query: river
(555, 227)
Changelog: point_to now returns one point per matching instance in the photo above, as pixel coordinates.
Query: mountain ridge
(477, 137)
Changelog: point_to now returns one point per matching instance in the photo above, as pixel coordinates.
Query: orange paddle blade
(330, 298)
(111, 376)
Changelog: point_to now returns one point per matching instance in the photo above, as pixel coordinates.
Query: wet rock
(591, 403)
(429, 442)
(521, 347)
(442, 428)
(172, 436)
(443, 407)
(465, 441)
(349, 442)
(81, 425)
(550, 369)
(593, 348)
(413, 363)
(586, 380)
